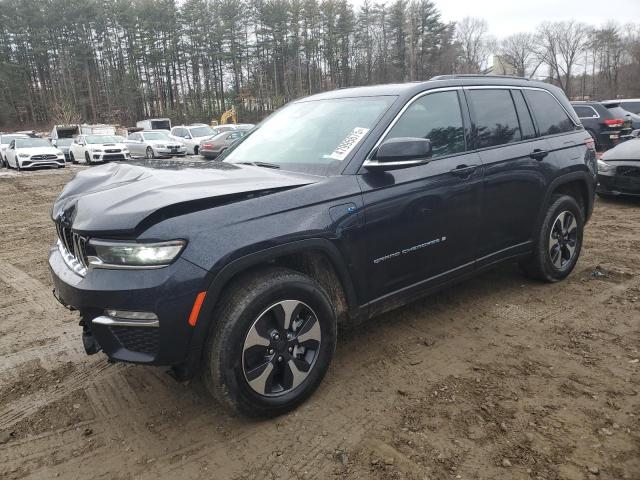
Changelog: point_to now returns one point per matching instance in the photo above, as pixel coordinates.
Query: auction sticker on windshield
(348, 144)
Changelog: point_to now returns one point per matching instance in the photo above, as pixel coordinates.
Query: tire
(235, 352)
(87, 158)
(149, 154)
(72, 158)
(557, 249)
(18, 167)
(196, 149)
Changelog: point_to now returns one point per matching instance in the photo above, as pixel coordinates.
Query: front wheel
(559, 241)
(271, 345)
(87, 158)
(149, 154)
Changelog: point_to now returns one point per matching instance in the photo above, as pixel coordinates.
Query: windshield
(619, 112)
(102, 139)
(7, 139)
(31, 142)
(201, 131)
(156, 136)
(64, 142)
(311, 137)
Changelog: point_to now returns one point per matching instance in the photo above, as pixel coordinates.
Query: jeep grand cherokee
(336, 208)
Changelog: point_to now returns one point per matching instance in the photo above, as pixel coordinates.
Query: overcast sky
(506, 17)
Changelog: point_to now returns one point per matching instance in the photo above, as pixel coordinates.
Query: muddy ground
(497, 378)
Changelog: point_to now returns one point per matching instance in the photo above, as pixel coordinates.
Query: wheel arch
(577, 185)
(318, 258)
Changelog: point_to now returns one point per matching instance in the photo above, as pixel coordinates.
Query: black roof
(411, 88)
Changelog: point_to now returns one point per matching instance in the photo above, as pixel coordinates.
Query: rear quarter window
(549, 114)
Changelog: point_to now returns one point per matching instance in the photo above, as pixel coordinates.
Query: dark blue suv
(336, 208)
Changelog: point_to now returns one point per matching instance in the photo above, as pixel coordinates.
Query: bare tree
(472, 36)
(561, 44)
(518, 51)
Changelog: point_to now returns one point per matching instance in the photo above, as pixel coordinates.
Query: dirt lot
(497, 378)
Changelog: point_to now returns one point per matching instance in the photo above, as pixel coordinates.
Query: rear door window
(435, 116)
(549, 114)
(494, 117)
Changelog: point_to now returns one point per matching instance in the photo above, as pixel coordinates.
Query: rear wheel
(559, 241)
(272, 343)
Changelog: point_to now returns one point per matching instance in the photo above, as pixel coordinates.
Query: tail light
(614, 122)
(207, 145)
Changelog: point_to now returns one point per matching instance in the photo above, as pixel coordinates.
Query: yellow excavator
(229, 114)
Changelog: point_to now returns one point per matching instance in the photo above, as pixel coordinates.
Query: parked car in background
(154, 143)
(629, 104)
(155, 124)
(214, 146)
(617, 110)
(5, 140)
(191, 135)
(97, 148)
(619, 170)
(98, 129)
(336, 208)
(604, 127)
(63, 144)
(28, 152)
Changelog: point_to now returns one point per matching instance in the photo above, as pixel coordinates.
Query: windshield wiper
(261, 164)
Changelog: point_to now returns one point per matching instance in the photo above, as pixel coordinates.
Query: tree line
(118, 61)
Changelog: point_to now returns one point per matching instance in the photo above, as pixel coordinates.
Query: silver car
(212, 147)
(153, 144)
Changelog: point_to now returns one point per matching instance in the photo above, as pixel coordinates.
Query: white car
(191, 136)
(97, 148)
(154, 143)
(5, 140)
(27, 152)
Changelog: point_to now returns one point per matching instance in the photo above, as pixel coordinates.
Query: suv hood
(117, 197)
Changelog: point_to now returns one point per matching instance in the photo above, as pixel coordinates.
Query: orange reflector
(195, 311)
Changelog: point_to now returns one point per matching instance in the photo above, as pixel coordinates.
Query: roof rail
(476, 75)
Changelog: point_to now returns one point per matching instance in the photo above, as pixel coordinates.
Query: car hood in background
(117, 197)
(629, 150)
(107, 146)
(39, 151)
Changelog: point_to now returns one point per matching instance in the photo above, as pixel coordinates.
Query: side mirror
(400, 152)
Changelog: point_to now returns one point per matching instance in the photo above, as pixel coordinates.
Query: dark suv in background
(336, 208)
(605, 124)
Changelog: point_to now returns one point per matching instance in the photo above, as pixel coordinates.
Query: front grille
(38, 158)
(117, 150)
(113, 156)
(628, 171)
(137, 339)
(73, 248)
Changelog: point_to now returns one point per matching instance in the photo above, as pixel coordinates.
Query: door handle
(464, 171)
(538, 154)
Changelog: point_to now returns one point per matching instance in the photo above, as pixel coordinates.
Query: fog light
(130, 315)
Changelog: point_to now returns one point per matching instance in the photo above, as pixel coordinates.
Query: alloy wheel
(563, 239)
(281, 348)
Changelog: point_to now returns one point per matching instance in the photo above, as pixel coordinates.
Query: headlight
(605, 167)
(105, 254)
(23, 155)
(161, 146)
(124, 150)
(97, 150)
